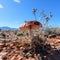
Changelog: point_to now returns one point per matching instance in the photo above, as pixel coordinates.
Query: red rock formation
(30, 25)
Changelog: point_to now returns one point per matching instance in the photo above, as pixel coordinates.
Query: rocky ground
(13, 47)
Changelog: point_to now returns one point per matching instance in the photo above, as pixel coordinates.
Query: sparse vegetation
(52, 31)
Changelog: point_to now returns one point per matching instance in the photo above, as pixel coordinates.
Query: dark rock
(52, 36)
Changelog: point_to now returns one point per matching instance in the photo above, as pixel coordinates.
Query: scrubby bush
(58, 31)
(39, 46)
(55, 30)
(19, 34)
(2, 35)
(50, 31)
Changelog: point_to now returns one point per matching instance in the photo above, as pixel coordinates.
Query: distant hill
(7, 28)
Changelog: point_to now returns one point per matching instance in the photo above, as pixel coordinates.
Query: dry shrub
(36, 45)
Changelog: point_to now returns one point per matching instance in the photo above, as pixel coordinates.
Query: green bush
(19, 34)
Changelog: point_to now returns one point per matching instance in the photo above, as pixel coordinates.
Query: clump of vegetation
(19, 34)
(52, 32)
(57, 31)
(2, 35)
(36, 45)
(39, 45)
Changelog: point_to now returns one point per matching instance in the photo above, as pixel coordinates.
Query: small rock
(58, 47)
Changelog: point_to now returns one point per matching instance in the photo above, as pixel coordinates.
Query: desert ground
(18, 46)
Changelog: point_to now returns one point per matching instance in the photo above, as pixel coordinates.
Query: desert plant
(38, 45)
(57, 31)
(51, 31)
(2, 35)
(48, 31)
(46, 18)
(34, 12)
(19, 34)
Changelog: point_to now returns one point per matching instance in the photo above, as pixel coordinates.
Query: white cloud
(17, 1)
(1, 6)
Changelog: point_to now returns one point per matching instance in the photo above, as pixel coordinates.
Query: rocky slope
(14, 47)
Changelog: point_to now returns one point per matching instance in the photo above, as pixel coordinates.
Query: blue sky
(14, 12)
